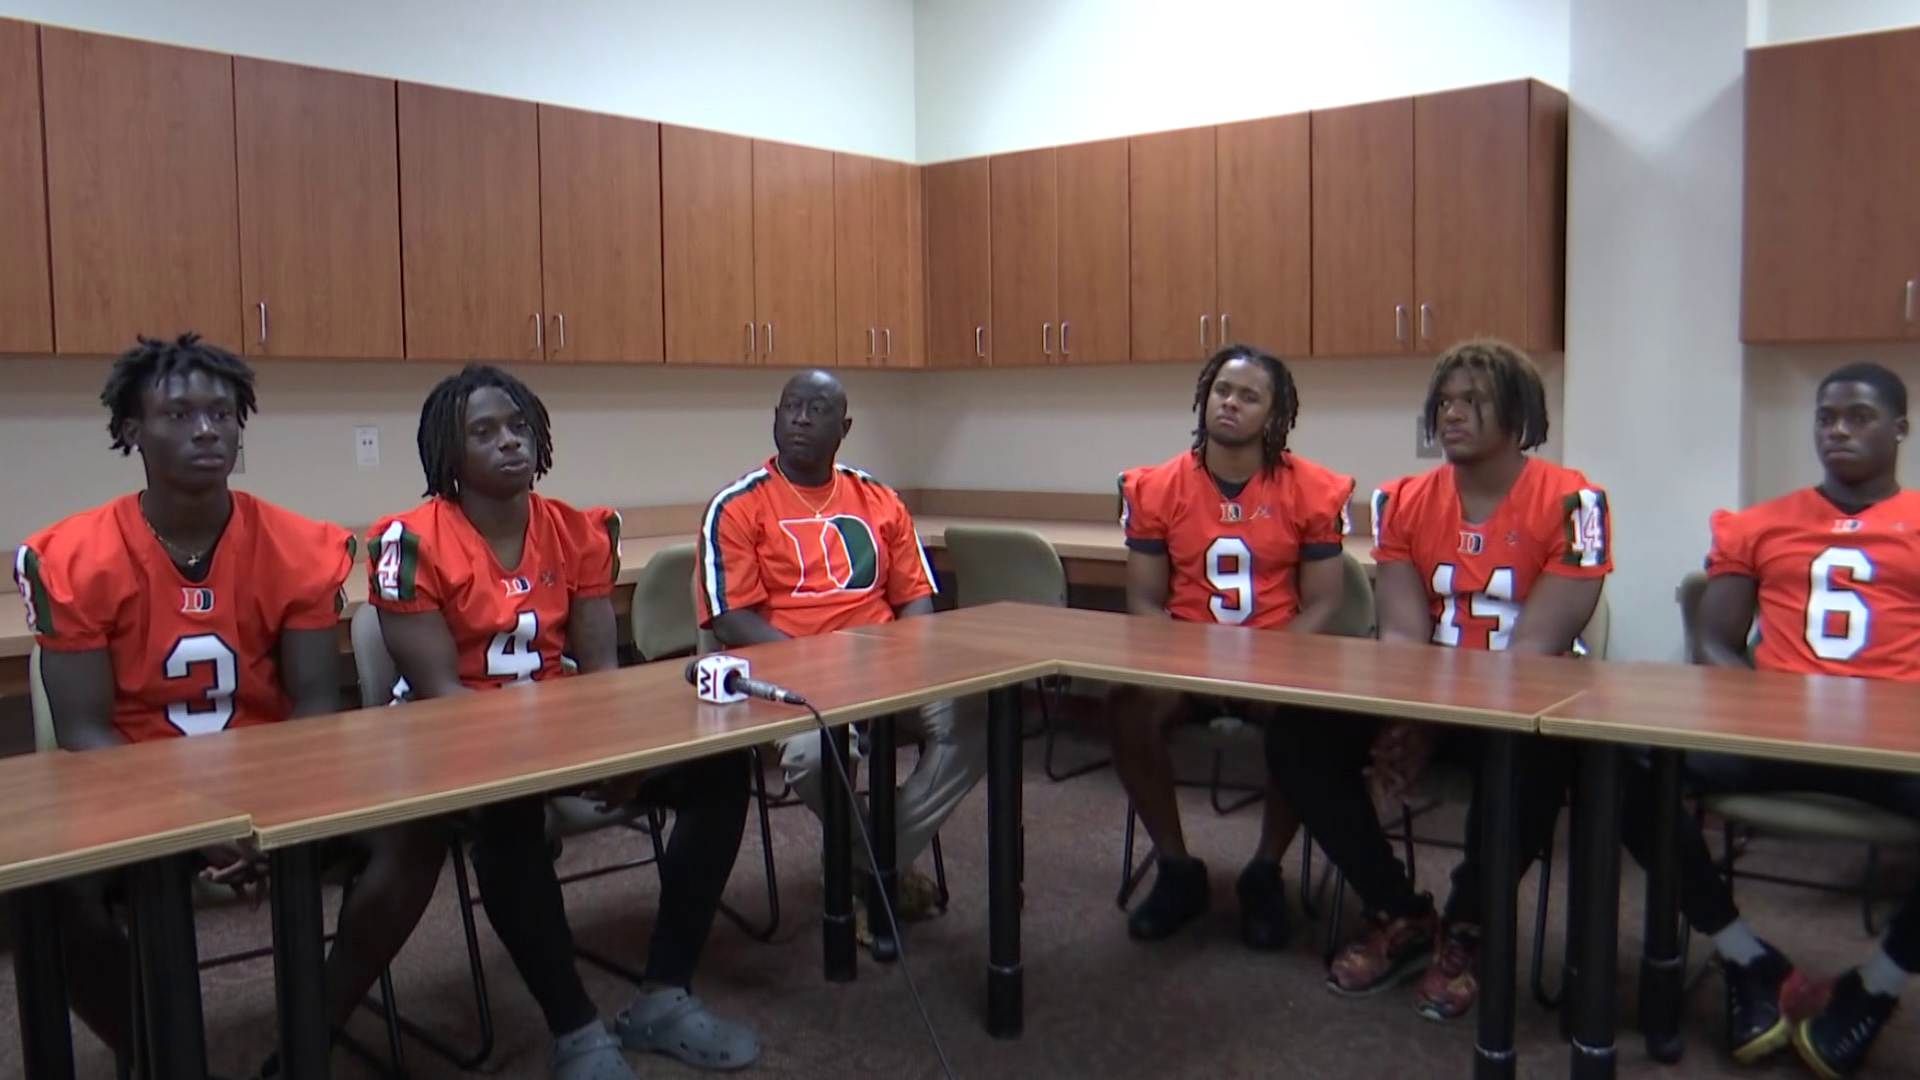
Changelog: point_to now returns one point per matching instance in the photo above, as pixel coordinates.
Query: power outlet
(366, 446)
(1423, 446)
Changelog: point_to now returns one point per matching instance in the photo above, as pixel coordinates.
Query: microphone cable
(886, 902)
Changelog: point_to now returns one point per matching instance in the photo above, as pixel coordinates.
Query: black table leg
(1662, 965)
(40, 985)
(1493, 1055)
(299, 956)
(836, 855)
(168, 962)
(883, 886)
(1005, 978)
(1571, 986)
(1596, 876)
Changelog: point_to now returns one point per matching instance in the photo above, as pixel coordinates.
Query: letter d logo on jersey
(196, 601)
(837, 554)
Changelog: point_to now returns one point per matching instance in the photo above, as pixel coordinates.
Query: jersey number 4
(511, 654)
(214, 657)
(1837, 617)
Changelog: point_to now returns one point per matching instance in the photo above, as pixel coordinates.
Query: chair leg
(762, 933)
(465, 1061)
(1217, 784)
(1131, 875)
(1868, 882)
(940, 872)
(1052, 705)
(1541, 905)
(1406, 844)
(1307, 906)
(1334, 913)
(658, 821)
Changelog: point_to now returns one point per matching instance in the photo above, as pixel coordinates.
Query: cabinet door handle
(560, 326)
(539, 332)
(263, 313)
(1046, 338)
(1399, 322)
(1913, 301)
(980, 341)
(888, 355)
(1426, 322)
(1225, 334)
(869, 342)
(1065, 349)
(751, 339)
(1203, 334)
(769, 339)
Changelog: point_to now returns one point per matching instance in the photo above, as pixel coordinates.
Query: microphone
(723, 679)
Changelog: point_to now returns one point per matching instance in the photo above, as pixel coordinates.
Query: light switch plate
(1423, 447)
(366, 446)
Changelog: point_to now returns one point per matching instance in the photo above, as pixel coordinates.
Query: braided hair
(1282, 411)
(443, 425)
(1519, 397)
(152, 362)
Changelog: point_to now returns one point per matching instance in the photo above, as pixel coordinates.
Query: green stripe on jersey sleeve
(395, 556)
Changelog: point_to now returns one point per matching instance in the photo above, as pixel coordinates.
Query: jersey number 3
(1230, 573)
(215, 709)
(511, 654)
(1837, 617)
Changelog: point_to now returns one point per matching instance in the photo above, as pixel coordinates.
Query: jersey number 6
(1828, 603)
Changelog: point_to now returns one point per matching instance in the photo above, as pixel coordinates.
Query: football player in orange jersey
(1833, 574)
(1237, 531)
(485, 586)
(1495, 549)
(805, 545)
(187, 609)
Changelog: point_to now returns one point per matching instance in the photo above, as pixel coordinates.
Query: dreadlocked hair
(1519, 398)
(443, 425)
(1281, 412)
(154, 361)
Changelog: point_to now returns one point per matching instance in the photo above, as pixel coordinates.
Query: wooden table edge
(456, 800)
(143, 848)
(1667, 738)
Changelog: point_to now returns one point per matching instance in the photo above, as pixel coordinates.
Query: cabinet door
(1172, 191)
(600, 237)
(959, 263)
(142, 212)
(319, 212)
(26, 285)
(1363, 229)
(1093, 286)
(1832, 191)
(899, 263)
(470, 225)
(1026, 258)
(1470, 211)
(856, 333)
(1265, 246)
(793, 254)
(706, 230)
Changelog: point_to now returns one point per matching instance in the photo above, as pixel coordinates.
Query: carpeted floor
(1098, 1005)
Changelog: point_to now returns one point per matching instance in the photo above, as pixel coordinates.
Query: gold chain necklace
(820, 510)
(178, 553)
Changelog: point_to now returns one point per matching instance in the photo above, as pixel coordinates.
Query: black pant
(521, 889)
(1319, 765)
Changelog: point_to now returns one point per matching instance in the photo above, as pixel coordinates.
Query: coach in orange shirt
(804, 545)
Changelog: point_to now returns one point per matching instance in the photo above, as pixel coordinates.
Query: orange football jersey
(189, 657)
(1478, 577)
(509, 624)
(810, 560)
(1236, 559)
(1839, 593)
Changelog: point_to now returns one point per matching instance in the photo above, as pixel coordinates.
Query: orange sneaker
(1452, 982)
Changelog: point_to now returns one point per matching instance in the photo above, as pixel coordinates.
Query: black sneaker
(1757, 1025)
(1264, 924)
(1180, 894)
(1835, 1041)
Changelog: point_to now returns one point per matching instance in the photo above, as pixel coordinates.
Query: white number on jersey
(1232, 601)
(1826, 600)
(1495, 603)
(511, 654)
(216, 708)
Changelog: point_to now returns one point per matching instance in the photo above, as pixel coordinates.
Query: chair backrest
(372, 663)
(1692, 588)
(992, 563)
(1356, 606)
(43, 736)
(663, 616)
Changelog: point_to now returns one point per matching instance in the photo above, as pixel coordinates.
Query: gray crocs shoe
(590, 1054)
(675, 1023)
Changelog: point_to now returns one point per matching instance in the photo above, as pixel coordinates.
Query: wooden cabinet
(26, 285)
(1220, 239)
(1438, 219)
(855, 286)
(470, 226)
(793, 257)
(899, 223)
(959, 263)
(600, 237)
(142, 211)
(1059, 243)
(319, 190)
(1832, 240)
(706, 232)
(877, 263)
